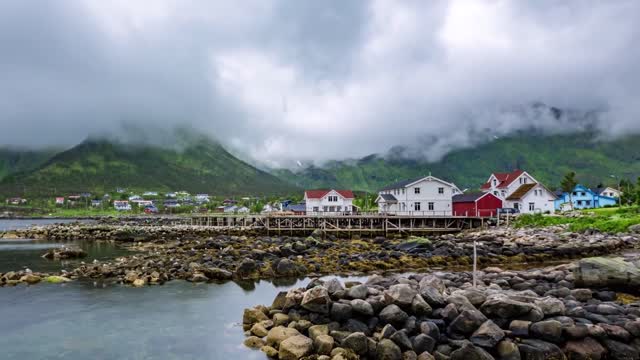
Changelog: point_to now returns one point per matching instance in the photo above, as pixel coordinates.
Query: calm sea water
(83, 320)
(14, 224)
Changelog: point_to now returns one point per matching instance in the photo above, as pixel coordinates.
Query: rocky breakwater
(509, 315)
(509, 245)
(28, 277)
(65, 252)
(121, 233)
(202, 254)
(225, 257)
(613, 272)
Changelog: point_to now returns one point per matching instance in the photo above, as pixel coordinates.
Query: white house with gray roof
(426, 196)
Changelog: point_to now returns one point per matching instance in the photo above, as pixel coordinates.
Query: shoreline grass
(608, 220)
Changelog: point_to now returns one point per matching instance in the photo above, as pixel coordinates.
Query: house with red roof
(519, 190)
(329, 202)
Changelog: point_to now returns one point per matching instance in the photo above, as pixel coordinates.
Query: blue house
(583, 198)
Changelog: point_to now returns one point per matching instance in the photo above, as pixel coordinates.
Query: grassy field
(609, 220)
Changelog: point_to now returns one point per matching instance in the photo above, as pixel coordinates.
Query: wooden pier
(372, 225)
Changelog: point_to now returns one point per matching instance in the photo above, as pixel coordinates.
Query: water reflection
(20, 254)
(15, 224)
(178, 320)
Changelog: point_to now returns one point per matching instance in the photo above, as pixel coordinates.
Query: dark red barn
(476, 204)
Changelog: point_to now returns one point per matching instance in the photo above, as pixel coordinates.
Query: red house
(476, 204)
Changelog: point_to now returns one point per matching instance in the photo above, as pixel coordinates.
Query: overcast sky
(316, 80)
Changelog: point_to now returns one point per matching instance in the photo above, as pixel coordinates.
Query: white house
(519, 190)
(202, 198)
(122, 205)
(427, 196)
(319, 202)
(608, 191)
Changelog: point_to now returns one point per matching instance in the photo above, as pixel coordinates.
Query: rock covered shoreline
(200, 254)
(538, 314)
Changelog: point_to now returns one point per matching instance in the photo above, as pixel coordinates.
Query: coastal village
(515, 192)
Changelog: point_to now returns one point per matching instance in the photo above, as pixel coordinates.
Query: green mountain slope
(13, 160)
(196, 164)
(547, 158)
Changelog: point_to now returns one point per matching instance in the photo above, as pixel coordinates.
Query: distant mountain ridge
(546, 157)
(17, 160)
(198, 164)
(195, 164)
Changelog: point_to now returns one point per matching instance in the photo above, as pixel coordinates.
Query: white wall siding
(324, 206)
(429, 193)
(541, 199)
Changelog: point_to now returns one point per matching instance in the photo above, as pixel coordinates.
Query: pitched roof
(296, 208)
(319, 194)
(471, 197)
(504, 179)
(404, 183)
(521, 191)
(388, 197)
(401, 184)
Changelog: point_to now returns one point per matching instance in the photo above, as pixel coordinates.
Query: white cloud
(286, 81)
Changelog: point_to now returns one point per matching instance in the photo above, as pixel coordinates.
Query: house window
(440, 190)
(495, 182)
(516, 206)
(316, 209)
(416, 190)
(583, 194)
(532, 206)
(588, 202)
(430, 205)
(402, 191)
(325, 208)
(579, 202)
(338, 208)
(504, 193)
(332, 208)
(495, 193)
(575, 193)
(416, 206)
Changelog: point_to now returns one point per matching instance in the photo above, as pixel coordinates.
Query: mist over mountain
(195, 164)
(546, 157)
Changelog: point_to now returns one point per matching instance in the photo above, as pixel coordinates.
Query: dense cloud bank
(286, 80)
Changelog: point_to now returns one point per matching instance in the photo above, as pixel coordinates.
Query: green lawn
(609, 220)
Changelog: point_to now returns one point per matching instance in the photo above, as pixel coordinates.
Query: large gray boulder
(392, 314)
(295, 348)
(488, 335)
(358, 292)
(400, 294)
(388, 350)
(357, 342)
(506, 308)
(606, 272)
(467, 322)
(540, 350)
(470, 352)
(317, 300)
(585, 349)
